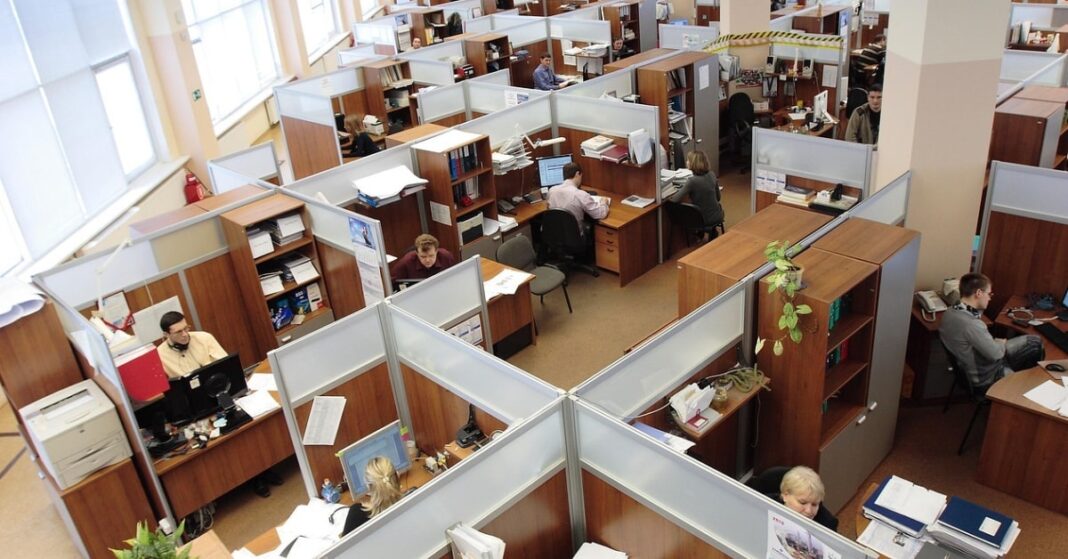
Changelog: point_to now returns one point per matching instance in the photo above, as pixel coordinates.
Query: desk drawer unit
(606, 248)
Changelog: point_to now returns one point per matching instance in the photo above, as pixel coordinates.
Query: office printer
(77, 431)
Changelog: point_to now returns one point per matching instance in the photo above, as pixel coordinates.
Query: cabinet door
(839, 468)
(706, 122)
(1051, 137)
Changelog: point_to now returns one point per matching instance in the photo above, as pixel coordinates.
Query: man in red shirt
(425, 261)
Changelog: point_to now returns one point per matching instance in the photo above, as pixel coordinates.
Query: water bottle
(331, 493)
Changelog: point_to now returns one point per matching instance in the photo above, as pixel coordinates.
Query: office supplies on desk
(383, 442)
(637, 201)
(205, 390)
(904, 505)
(691, 400)
(1054, 335)
(1049, 394)
(676, 443)
(257, 403)
(889, 542)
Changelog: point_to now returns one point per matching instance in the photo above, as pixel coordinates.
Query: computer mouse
(1055, 367)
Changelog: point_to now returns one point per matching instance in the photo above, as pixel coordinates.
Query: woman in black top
(702, 187)
(383, 489)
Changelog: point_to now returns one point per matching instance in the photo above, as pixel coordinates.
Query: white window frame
(153, 132)
(335, 34)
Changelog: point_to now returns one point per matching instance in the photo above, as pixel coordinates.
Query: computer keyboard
(1053, 334)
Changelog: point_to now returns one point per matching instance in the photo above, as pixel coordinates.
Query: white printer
(77, 431)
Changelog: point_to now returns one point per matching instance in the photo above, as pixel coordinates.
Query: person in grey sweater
(702, 188)
(985, 359)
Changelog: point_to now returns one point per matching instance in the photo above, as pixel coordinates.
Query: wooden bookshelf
(670, 84)
(623, 18)
(488, 52)
(454, 170)
(236, 224)
(429, 25)
(388, 88)
(1045, 94)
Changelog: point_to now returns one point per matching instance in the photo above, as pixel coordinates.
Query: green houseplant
(787, 280)
(147, 544)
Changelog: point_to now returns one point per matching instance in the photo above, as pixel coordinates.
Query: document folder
(978, 522)
(908, 525)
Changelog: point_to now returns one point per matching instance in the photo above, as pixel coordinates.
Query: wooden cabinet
(488, 52)
(670, 84)
(429, 25)
(716, 266)
(258, 307)
(1027, 131)
(707, 12)
(1057, 95)
(623, 18)
(461, 183)
(38, 359)
(388, 86)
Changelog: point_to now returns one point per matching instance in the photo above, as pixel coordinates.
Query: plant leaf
(795, 335)
(759, 345)
(782, 322)
(777, 348)
(782, 264)
(791, 321)
(804, 309)
(788, 308)
(771, 286)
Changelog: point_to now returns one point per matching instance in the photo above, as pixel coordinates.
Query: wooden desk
(784, 123)
(198, 477)
(413, 134)
(716, 266)
(1025, 444)
(1053, 352)
(526, 212)
(509, 314)
(927, 360)
(228, 197)
(782, 223)
(625, 241)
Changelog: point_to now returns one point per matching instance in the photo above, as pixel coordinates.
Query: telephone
(470, 434)
(930, 302)
(504, 206)
(806, 69)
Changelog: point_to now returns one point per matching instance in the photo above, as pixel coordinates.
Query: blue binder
(966, 517)
(906, 524)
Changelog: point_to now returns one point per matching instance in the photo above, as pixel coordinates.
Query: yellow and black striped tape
(757, 38)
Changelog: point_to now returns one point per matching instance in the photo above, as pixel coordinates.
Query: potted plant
(787, 280)
(147, 544)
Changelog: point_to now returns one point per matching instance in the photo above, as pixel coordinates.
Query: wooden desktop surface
(1052, 352)
(782, 223)
(508, 313)
(785, 124)
(619, 214)
(228, 197)
(412, 134)
(1025, 444)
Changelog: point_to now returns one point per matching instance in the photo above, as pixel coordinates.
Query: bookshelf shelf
(285, 249)
(840, 374)
(477, 181)
(476, 205)
(471, 174)
(289, 287)
(387, 80)
(308, 318)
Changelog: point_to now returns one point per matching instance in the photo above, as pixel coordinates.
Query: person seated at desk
(383, 489)
(863, 125)
(702, 187)
(802, 491)
(358, 143)
(579, 203)
(544, 77)
(985, 359)
(872, 56)
(426, 260)
(183, 352)
(417, 43)
(620, 50)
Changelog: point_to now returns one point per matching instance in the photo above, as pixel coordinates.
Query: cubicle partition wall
(357, 55)
(466, 299)
(1038, 68)
(616, 85)
(306, 110)
(781, 158)
(432, 64)
(564, 31)
(687, 37)
(466, 8)
(890, 204)
(445, 105)
(1041, 16)
(1024, 239)
(484, 98)
(525, 33)
(501, 77)
(482, 24)
(244, 167)
(380, 32)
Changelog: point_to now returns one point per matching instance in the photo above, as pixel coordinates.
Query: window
(234, 49)
(318, 22)
(369, 7)
(73, 131)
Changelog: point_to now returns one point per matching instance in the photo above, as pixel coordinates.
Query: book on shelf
(284, 229)
(616, 154)
(598, 143)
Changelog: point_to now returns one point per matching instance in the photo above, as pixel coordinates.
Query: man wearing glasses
(985, 359)
(183, 352)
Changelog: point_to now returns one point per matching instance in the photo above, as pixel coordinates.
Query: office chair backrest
(857, 97)
(517, 252)
(688, 216)
(740, 110)
(560, 231)
(961, 373)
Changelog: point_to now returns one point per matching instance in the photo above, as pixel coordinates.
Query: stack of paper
(387, 186)
(904, 505)
(502, 163)
(299, 269)
(472, 544)
(506, 282)
(590, 550)
(271, 283)
(596, 146)
(637, 201)
(975, 530)
(259, 241)
(515, 148)
(1050, 395)
(257, 403)
(285, 229)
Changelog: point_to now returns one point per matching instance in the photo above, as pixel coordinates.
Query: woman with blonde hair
(383, 489)
(802, 491)
(359, 143)
(702, 188)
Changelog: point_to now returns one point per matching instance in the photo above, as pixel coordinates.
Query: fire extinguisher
(194, 191)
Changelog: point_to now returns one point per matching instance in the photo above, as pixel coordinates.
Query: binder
(969, 518)
(142, 373)
(911, 526)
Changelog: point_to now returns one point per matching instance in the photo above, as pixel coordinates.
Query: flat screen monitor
(551, 169)
(819, 106)
(196, 395)
(383, 442)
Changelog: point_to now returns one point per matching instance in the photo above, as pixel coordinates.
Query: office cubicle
(257, 163)
(889, 204)
(808, 161)
(617, 85)
(565, 31)
(529, 37)
(433, 64)
(357, 55)
(687, 37)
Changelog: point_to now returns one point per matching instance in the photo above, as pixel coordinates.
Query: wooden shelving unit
(389, 87)
(623, 18)
(236, 224)
(488, 52)
(429, 25)
(825, 22)
(453, 171)
(670, 84)
(1045, 94)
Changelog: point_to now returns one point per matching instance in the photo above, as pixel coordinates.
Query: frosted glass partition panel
(1018, 65)
(1052, 75)
(658, 366)
(1040, 16)
(330, 222)
(470, 492)
(502, 77)
(482, 24)
(523, 30)
(336, 183)
(442, 102)
(329, 84)
(590, 14)
(580, 30)
(82, 280)
(610, 117)
(375, 33)
(448, 296)
(827, 55)
(485, 97)
(620, 82)
(736, 524)
(305, 106)
(357, 53)
(691, 37)
(832, 161)
(432, 71)
(256, 162)
(1028, 191)
(308, 365)
(438, 52)
(785, 23)
(223, 179)
(889, 205)
(532, 116)
(493, 385)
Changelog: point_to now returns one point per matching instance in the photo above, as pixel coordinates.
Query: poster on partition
(789, 540)
(365, 236)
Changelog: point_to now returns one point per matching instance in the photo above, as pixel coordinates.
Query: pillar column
(942, 65)
(746, 16)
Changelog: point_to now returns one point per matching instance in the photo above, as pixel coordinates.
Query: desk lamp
(535, 144)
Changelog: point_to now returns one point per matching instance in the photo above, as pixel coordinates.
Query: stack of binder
(285, 229)
(907, 507)
(974, 530)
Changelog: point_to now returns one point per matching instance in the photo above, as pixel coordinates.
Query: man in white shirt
(579, 203)
(183, 352)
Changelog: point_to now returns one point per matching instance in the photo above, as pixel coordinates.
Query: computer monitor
(551, 169)
(819, 106)
(196, 395)
(383, 442)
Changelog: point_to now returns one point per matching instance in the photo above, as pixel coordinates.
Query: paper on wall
(702, 77)
(830, 75)
(440, 213)
(324, 420)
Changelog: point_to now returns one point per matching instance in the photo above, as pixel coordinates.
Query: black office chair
(740, 117)
(857, 97)
(769, 482)
(688, 216)
(976, 394)
(564, 246)
(518, 252)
